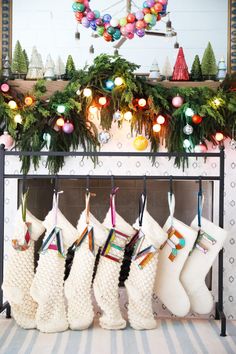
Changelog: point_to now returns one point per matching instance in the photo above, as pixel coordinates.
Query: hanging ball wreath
(111, 29)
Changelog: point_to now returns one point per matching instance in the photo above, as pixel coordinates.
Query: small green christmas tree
(209, 67)
(196, 71)
(19, 65)
(26, 58)
(70, 68)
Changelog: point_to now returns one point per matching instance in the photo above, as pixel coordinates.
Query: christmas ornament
(109, 85)
(61, 109)
(219, 137)
(102, 101)
(186, 144)
(118, 81)
(128, 116)
(78, 92)
(142, 102)
(68, 128)
(156, 128)
(188, 129)
(29, 101)
(200, 148)
(5, 87)
(196, 119)
(12, 104)
(189, 112)
(177, 101)
(104, 137)
(7, 140)
(18, 119)
(60, 122)
(161, 119)
(117, 116)
(87, 92)
(140, 143)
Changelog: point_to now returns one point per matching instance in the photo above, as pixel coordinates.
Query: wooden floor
(170, 337)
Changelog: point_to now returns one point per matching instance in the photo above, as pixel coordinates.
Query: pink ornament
(177, 101)
(130, 35)
(124, 31)
(90, 16)
(200, 148)
(7, 140)
(129, 27)
(5, 87)
(163, 2)
(68, 128)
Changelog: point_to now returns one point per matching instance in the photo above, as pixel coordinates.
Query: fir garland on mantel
(216, 107)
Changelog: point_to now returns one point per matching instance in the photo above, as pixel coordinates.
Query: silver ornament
(104, 137)
(188, 129)
(233, 144)
(117, 116)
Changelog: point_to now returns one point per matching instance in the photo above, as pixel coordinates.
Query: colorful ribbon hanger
(89, 230)
(116, 241)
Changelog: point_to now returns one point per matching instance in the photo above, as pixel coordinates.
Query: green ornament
(111, 30)
(100, 30)
(80, 7)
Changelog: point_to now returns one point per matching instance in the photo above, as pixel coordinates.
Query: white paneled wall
(50, 25)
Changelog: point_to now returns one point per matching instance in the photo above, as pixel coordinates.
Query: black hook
(23, 184)
(112, 182)
(171, 184)
(200, 184)
(56, 183)
(145, 185)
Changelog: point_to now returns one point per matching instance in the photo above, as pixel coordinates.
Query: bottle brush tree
(70, 68)
(196, 71)
(209, 67)
(19, 65)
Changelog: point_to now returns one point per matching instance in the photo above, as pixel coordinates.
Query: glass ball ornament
(186, 144)
(68, 128)
(142, 102)
(12, 104)
(177, 101)
(61, 109)
(189, 112)
(118, 81)
(104, 137)
(18, 119)
(200, 148)
(117, 116)
(60, 122)
(156, 128)
(87, 92)
(196, 119)
(7, 140)
(219, 137)
(140, 143)
(188, 129)
(5, 87)
(128, 116)
(109, 85)
(160, 119)
(28, 101)
(102, 101)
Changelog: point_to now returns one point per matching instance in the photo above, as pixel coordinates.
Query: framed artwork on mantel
(6, 29)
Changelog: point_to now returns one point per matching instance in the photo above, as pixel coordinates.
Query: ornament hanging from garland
(140, 143)
(7, 140)
(112, 29)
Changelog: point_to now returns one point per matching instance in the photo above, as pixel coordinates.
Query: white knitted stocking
(48, 285)
(19, 272)
(78, 285)
(106, 281)
(140, 283)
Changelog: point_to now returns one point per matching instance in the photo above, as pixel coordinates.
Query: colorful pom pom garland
(112, 29)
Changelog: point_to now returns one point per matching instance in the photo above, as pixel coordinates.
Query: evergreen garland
(216, 107)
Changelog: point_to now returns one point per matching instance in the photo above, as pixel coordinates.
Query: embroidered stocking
(140, 283)
(48, 285)
(209, 242)
(92, 235)
(106, 283)
(19, 271)
(172, 258)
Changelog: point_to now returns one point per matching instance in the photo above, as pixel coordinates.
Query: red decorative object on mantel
(180, 69)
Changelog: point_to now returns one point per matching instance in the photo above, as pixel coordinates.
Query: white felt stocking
(106, 281)
(172, 258)
(199, 263)
(79, 283)
(140, 283)
(48, 285)
(20, 271)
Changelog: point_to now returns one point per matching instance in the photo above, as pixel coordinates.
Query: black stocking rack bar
(219, 310)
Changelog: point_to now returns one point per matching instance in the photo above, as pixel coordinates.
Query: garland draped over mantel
(36, 126)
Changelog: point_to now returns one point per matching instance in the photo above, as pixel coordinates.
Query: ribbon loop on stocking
(53, 242)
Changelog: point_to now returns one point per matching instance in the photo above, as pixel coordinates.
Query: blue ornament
(110, 85)
(106, 18)
(93, 25)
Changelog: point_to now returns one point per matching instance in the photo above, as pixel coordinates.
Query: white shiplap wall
(50, 25)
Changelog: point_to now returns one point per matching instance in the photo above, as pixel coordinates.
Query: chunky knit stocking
(19, 272)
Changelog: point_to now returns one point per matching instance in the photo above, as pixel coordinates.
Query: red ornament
(158, 7)
(131, 18)
(79, 16)
(196, 119)
(107, 36)
(180, 69)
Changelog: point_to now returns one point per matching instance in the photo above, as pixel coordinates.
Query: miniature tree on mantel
(60, 69)
(209, 67)
(180, 69)
(167, 69)
(155, 72)
(196, 71)
(19, 65)
(35, 71)
(70, 68)
(26, 58)
(6, 68)
(49, 69)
